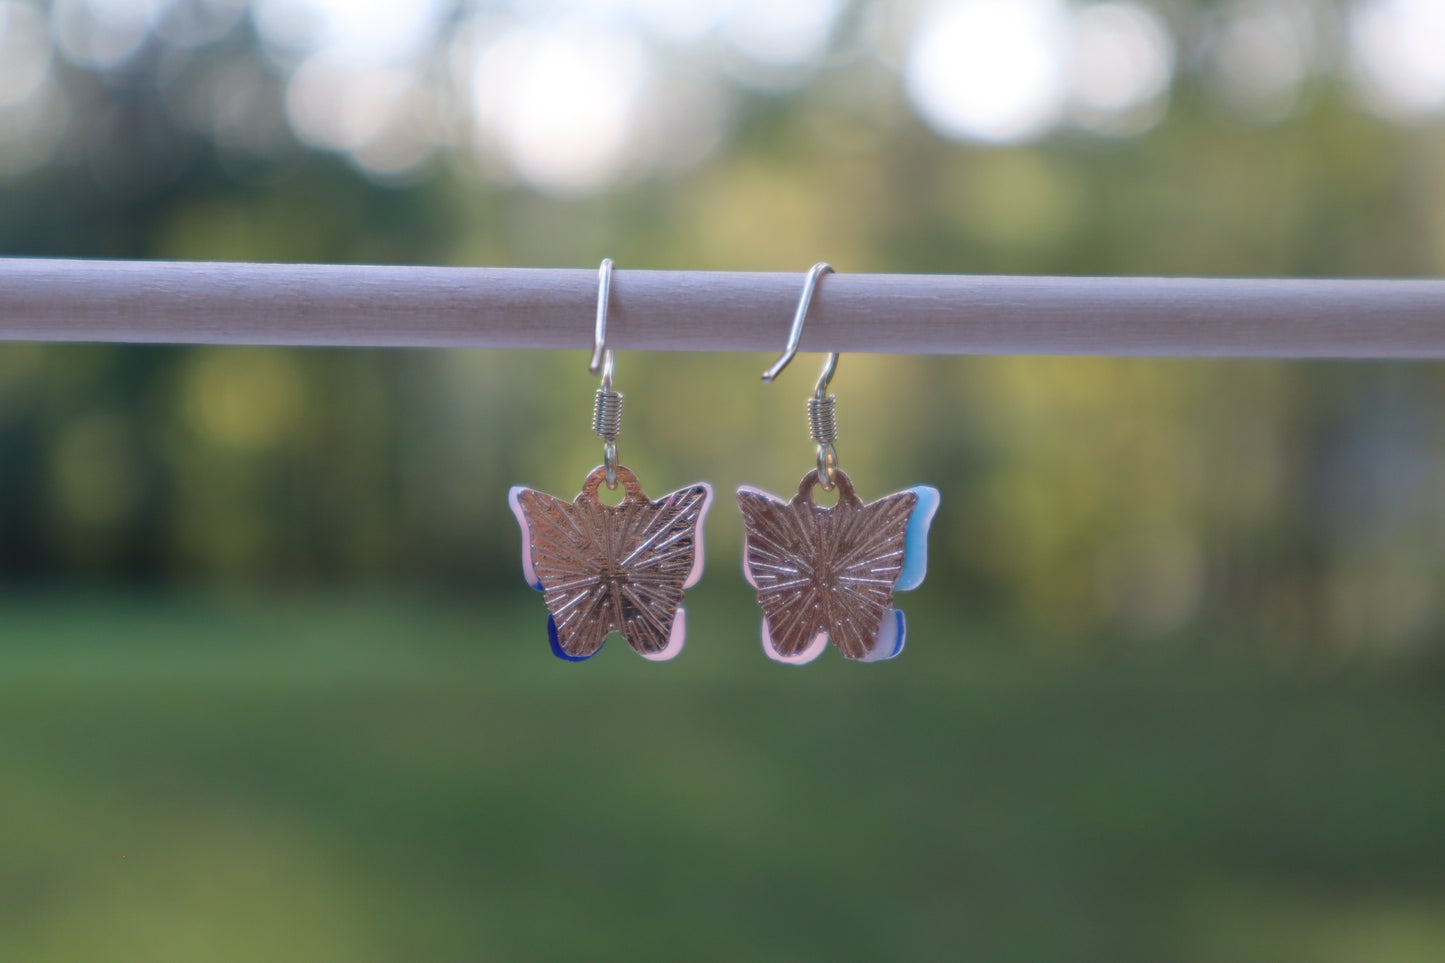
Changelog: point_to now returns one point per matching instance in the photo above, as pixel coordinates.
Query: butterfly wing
(660, 551)
(915, 551)
(564, 554)
(867, 554)
(779, 552)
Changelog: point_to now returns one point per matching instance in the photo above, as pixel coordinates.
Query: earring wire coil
(607, 406)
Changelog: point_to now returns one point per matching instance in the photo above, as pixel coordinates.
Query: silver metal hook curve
(602, 357)
(795, 334)
(607, 405)
(825, 377)
(822, 422)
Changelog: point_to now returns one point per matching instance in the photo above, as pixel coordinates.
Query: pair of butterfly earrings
(821, 572)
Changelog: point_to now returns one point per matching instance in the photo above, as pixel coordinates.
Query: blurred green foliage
(1294, 502)
(1172, 685)
(277, 777)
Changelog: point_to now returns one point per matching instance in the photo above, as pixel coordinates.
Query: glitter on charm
(830, 573)
(621, 568)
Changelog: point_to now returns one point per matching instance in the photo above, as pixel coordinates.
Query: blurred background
(272, 685)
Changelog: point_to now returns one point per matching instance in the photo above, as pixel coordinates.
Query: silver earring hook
(822, 417)
(825, 377)
(607, 406)
(601, 355)
(795, 334)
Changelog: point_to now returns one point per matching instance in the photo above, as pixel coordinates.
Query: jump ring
(827, 465)
(609, 460)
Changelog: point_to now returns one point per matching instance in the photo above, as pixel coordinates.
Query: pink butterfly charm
(613, 568)
(830, 573)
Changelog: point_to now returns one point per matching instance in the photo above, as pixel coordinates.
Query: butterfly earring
(612, 568)
(830, 573)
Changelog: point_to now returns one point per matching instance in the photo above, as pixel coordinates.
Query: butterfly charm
(613, 568)
(830, 573)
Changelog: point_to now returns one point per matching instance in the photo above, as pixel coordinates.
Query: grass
(398, 779)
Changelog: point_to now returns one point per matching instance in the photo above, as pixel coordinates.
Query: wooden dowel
(167, 302)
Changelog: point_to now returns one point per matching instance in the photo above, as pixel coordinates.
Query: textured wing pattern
(867, 557)
(824, 569)
(617, 568)
(778, 558)
(568, 559)
(656, 546)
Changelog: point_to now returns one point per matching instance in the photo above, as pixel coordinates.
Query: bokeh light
(990, 70)
(378, 31)
(384, 117)
(33, 112)
(102, 34)
(1121, 65)
(24, 51)
(781, 34)
(559, 106)
(573, 97)
(1397, 50)
(196, 23)
(1259, 56)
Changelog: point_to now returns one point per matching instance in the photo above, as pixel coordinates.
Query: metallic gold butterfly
(830, 573)
(613, 568)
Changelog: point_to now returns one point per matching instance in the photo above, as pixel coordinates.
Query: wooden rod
(168, 302)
